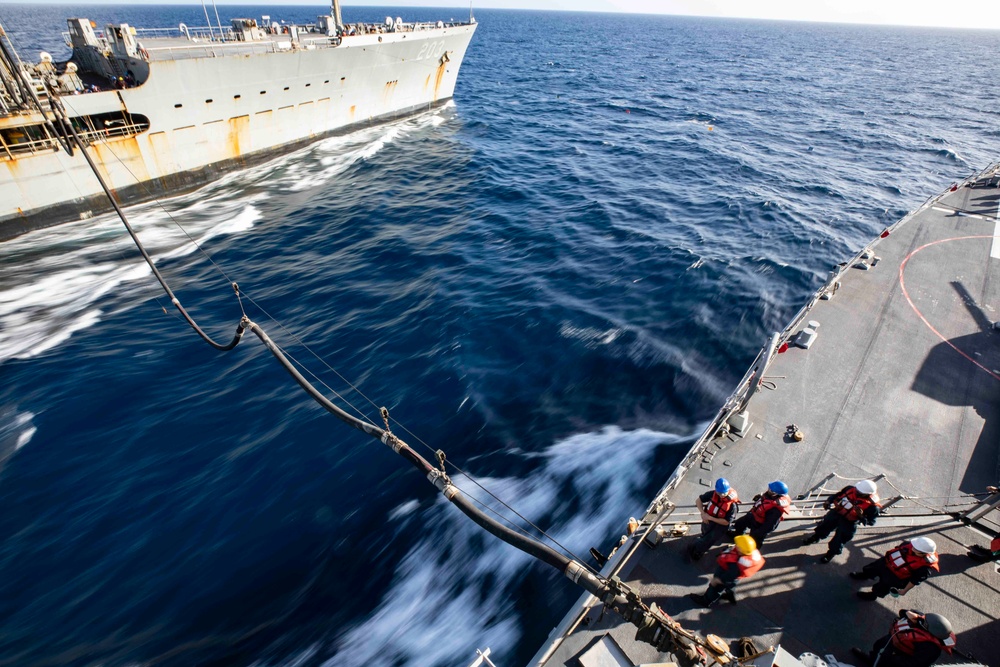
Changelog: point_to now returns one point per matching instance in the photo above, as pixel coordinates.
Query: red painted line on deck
(930, 326)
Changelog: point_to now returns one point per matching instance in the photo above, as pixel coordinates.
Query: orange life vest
(748, 565)
(765, 504)
(719, 506)
(903, 561)
(852, 505)
(906, 636)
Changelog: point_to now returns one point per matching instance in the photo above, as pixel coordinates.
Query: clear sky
(960, 14)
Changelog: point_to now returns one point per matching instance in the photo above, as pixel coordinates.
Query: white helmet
(44, 57)
(924, 545)
(867, 487)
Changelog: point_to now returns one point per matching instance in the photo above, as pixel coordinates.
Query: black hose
(329, 406)
(531, 547)
(240, 328)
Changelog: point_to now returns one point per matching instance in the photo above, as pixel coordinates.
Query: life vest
(765, 504)
(719, 506)
(852, 505)
(903, 561)
(906, 636)
(748, 565)
(995, 544)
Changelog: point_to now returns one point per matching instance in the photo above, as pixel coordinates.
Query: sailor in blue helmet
(718, 510)
(768, 510)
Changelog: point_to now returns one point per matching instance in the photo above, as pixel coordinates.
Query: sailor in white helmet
(900, 569)
(845, 510)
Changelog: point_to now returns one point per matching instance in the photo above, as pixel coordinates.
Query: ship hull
(212, 115)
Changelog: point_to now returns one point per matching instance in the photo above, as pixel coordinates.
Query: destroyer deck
(903, 380)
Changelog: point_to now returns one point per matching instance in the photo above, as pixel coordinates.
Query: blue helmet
(778, 487)
(722, 486)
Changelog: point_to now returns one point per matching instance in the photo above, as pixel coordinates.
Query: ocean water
(557, 279)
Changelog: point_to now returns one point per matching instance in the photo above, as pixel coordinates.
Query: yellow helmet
(745, 544)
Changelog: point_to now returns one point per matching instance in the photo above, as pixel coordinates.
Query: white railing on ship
(48, 143)
(212, 50)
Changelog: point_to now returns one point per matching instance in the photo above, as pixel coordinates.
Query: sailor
(718, 509)
(768, 510)
(900, 569)
(915, 640)
(738, 562)
(845, 510)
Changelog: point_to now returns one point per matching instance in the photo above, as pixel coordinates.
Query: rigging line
(320, 381)
(142, 184)
(528, 521)
(273, 319)
(318, 357)
(60, 112)
(322, 360)
(493, 511)
(429, 448)
(500, 500)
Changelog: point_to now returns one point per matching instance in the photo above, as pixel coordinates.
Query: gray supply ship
(168, 110)
(890, 373)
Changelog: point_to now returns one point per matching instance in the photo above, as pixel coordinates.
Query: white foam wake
(16, 430)
(453, 592)
(58, 281)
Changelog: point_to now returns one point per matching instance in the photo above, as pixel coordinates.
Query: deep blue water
(556, 279)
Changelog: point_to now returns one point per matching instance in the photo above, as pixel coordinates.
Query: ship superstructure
(168, 110)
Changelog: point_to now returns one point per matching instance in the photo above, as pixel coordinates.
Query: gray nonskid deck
(902, 380)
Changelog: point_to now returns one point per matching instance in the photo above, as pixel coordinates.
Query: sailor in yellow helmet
(740, 561)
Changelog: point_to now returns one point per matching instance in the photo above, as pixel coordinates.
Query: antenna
(221, 32)
(211, 32)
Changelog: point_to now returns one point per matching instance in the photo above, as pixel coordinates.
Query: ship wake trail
(453, 592)
(58, 281)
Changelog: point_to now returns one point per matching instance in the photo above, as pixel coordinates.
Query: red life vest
(765, 504)
(995, 544)
(852, 505)
(906, 636)
(748, 565)
(719, 506)
(903, 561)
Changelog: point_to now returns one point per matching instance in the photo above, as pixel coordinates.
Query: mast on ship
(335, 13)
